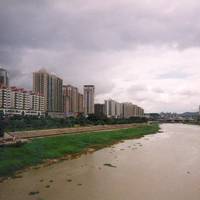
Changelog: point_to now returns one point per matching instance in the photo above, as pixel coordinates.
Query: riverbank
(63, 131)
(39, 150)
(192, 123)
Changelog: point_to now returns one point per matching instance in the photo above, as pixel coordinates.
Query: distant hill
(189, 114)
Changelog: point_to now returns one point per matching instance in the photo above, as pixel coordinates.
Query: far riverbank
(13, 159)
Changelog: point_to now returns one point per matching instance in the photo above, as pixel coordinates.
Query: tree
(3, 124)
(82, 120)
(2, 127)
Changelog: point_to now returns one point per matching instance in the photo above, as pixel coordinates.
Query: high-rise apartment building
(118, 110)
(112, 108)
(135, 107)
(89, 92)
(199, 110)
(55, 95)
(127, 110)
(41, 85)
(140, 111)
(80, 103)
(4, 82)
(50, 86)
(71, 100)
(130, 110)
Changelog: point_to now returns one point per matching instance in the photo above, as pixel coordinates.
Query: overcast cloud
(146, 52)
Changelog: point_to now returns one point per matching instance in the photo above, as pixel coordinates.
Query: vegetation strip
(38, 150)
(61, 131)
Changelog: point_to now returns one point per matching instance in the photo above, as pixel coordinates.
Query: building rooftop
(88, 85)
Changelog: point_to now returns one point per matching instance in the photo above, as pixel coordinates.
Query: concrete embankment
(61, 131)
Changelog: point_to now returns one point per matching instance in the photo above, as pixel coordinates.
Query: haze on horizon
(146, 52)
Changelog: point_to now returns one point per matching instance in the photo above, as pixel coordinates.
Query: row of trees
(18, 123)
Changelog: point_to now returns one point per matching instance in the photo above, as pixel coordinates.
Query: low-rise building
(17, 101)
(99, 110)
(5, 98)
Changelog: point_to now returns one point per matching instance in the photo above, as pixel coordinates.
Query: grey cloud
(42, 24)
(174, 74)
(158, 90)
(188, 93)
(137, 93)
(137, 88)
(78, 41)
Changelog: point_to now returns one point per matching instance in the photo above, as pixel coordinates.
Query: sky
(146, 52)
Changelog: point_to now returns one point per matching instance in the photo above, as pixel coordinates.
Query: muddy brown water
(165, 166)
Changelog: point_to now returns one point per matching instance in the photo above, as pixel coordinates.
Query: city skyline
(79, 89)
(50, 97)
(154, 65)
(65, 84)
(99, 99)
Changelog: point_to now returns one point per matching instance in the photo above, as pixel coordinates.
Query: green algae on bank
(38, 150)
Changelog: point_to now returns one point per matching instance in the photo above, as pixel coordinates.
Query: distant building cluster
(49, 96)
(114, 109)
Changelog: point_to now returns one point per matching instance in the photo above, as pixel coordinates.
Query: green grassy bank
(35, 152)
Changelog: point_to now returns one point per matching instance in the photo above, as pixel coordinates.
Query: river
(164, 166)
